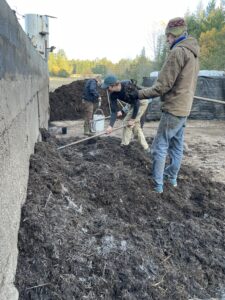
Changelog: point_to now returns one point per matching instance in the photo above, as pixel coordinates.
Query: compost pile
(92, 228)
(66, 101)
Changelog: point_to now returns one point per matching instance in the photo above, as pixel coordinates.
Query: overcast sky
(90, 29)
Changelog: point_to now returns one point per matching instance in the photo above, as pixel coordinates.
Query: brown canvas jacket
(177, 79)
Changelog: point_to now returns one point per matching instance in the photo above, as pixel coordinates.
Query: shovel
(88, 138)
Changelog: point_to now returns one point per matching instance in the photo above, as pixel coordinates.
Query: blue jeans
(168, 141)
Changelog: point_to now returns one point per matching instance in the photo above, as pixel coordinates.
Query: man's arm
(94, 89)
(167, 76)
(113, 105)
(112, 119)
(136, 106)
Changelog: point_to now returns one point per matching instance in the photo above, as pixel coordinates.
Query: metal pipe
(88, 138)
(210, 100)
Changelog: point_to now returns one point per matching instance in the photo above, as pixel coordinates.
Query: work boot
(171, 181)
(158, 188)
(86, 132)
(89, 133)
(92, 132)
(86, 129)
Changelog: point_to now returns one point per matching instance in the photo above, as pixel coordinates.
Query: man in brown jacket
(176, 85)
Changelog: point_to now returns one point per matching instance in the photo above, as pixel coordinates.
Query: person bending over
(121, 90)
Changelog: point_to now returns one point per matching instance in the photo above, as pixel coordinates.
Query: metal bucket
(98, 120)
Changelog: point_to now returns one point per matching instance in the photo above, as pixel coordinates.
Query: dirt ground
(92, 228)
(204, 139)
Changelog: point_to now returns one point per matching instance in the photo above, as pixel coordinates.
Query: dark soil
(92, 228)
(66, 101)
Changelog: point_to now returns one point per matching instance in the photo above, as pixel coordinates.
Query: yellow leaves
(212, 45)
(58, 64)
(207, 42)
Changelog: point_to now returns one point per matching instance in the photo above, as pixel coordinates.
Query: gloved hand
(133, 95)
(99, 102)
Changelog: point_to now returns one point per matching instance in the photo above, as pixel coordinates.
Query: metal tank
(37, 29)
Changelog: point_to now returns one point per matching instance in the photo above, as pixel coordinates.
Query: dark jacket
(177, 80)
(91, 93)
(114, 96)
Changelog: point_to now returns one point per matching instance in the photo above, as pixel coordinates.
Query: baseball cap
(109, 80)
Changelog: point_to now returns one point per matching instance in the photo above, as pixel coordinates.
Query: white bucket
(98, 121)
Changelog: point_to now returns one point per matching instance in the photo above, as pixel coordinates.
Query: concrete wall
(24, 100)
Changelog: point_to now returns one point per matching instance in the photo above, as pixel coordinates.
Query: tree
(157, 45)
(59, 65)
(122, 68)
(139, 68)
(161, 52)
(212, 45)
(100, 69)
(52, 64)
(208, 27)
(83, 67)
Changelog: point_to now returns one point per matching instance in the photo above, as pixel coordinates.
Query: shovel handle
(88, 138)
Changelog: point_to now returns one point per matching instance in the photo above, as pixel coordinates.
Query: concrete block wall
(24, 108)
